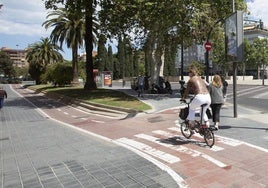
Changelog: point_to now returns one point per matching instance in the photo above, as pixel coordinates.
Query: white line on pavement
(149, 150)
(214, 148)
(182, 149)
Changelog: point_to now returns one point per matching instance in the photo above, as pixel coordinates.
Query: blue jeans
(1, 102)
(140, 90)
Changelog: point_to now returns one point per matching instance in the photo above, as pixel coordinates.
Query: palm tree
(88, 8)
(42, 53)
(69, 27)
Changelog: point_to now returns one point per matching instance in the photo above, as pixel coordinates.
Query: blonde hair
(217, 81)
(194, 70)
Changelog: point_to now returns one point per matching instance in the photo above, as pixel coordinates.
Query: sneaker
(217, 126)
(207, 124)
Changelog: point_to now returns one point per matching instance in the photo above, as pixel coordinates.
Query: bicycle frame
(201, 127)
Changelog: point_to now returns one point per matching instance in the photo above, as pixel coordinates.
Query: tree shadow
(180, 140)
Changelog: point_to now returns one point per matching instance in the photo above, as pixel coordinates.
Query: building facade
(18, 56)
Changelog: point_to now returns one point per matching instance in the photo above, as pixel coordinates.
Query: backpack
(184, 113)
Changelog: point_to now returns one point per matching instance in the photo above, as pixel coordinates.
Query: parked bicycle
(199, 126)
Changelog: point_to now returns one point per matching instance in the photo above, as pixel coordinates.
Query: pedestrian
(224, 89)
(217, 100)
(140, 86)
(3, 94)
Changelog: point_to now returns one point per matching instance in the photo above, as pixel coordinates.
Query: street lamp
(263, 70)
(18, 56)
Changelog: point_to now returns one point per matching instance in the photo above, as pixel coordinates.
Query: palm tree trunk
(90, 82)
(75, 81)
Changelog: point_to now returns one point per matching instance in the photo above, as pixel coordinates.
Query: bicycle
(199, 127)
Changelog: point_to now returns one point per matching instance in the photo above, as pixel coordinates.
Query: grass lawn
(102, 96)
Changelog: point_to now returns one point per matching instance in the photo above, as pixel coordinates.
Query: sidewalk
(36, 151)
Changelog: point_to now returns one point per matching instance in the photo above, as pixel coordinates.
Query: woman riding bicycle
(196, 86)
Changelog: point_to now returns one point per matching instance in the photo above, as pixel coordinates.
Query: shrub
(60, 74)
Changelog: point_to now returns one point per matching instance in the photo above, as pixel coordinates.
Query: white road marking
(96, 121)
(182, 149)
(261, 95)
(229, 141)
(247, 91)
(149, 150)
(214, 148)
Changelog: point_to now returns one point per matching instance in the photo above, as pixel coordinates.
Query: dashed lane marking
(183, 149)
(149, 150)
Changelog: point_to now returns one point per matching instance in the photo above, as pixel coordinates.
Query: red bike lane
(229, 163)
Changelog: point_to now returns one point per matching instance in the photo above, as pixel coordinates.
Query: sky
(21, 22)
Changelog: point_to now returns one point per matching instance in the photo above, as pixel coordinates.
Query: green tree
(44, 52)
(110, 59)
(259, 55)
(136, 62)
(154, 22)
(40, 54)
(36, 70)
(88, 7)
(102, 57)
(6, 65)
(54, 74)
(69, 26)
(21, 72)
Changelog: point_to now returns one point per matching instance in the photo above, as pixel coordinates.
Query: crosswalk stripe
(214, 148)
(224, 140)
(149, 150)
(229, 141)
(182, 149)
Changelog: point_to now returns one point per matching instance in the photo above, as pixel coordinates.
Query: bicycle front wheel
(185, 130)
(209, 137)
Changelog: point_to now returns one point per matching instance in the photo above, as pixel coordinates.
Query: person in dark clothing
(140, 86)
(216, 94)
(3, 94)
(224, 89)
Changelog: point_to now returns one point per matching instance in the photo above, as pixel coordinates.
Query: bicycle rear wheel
(209, 137)
(185, 130)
